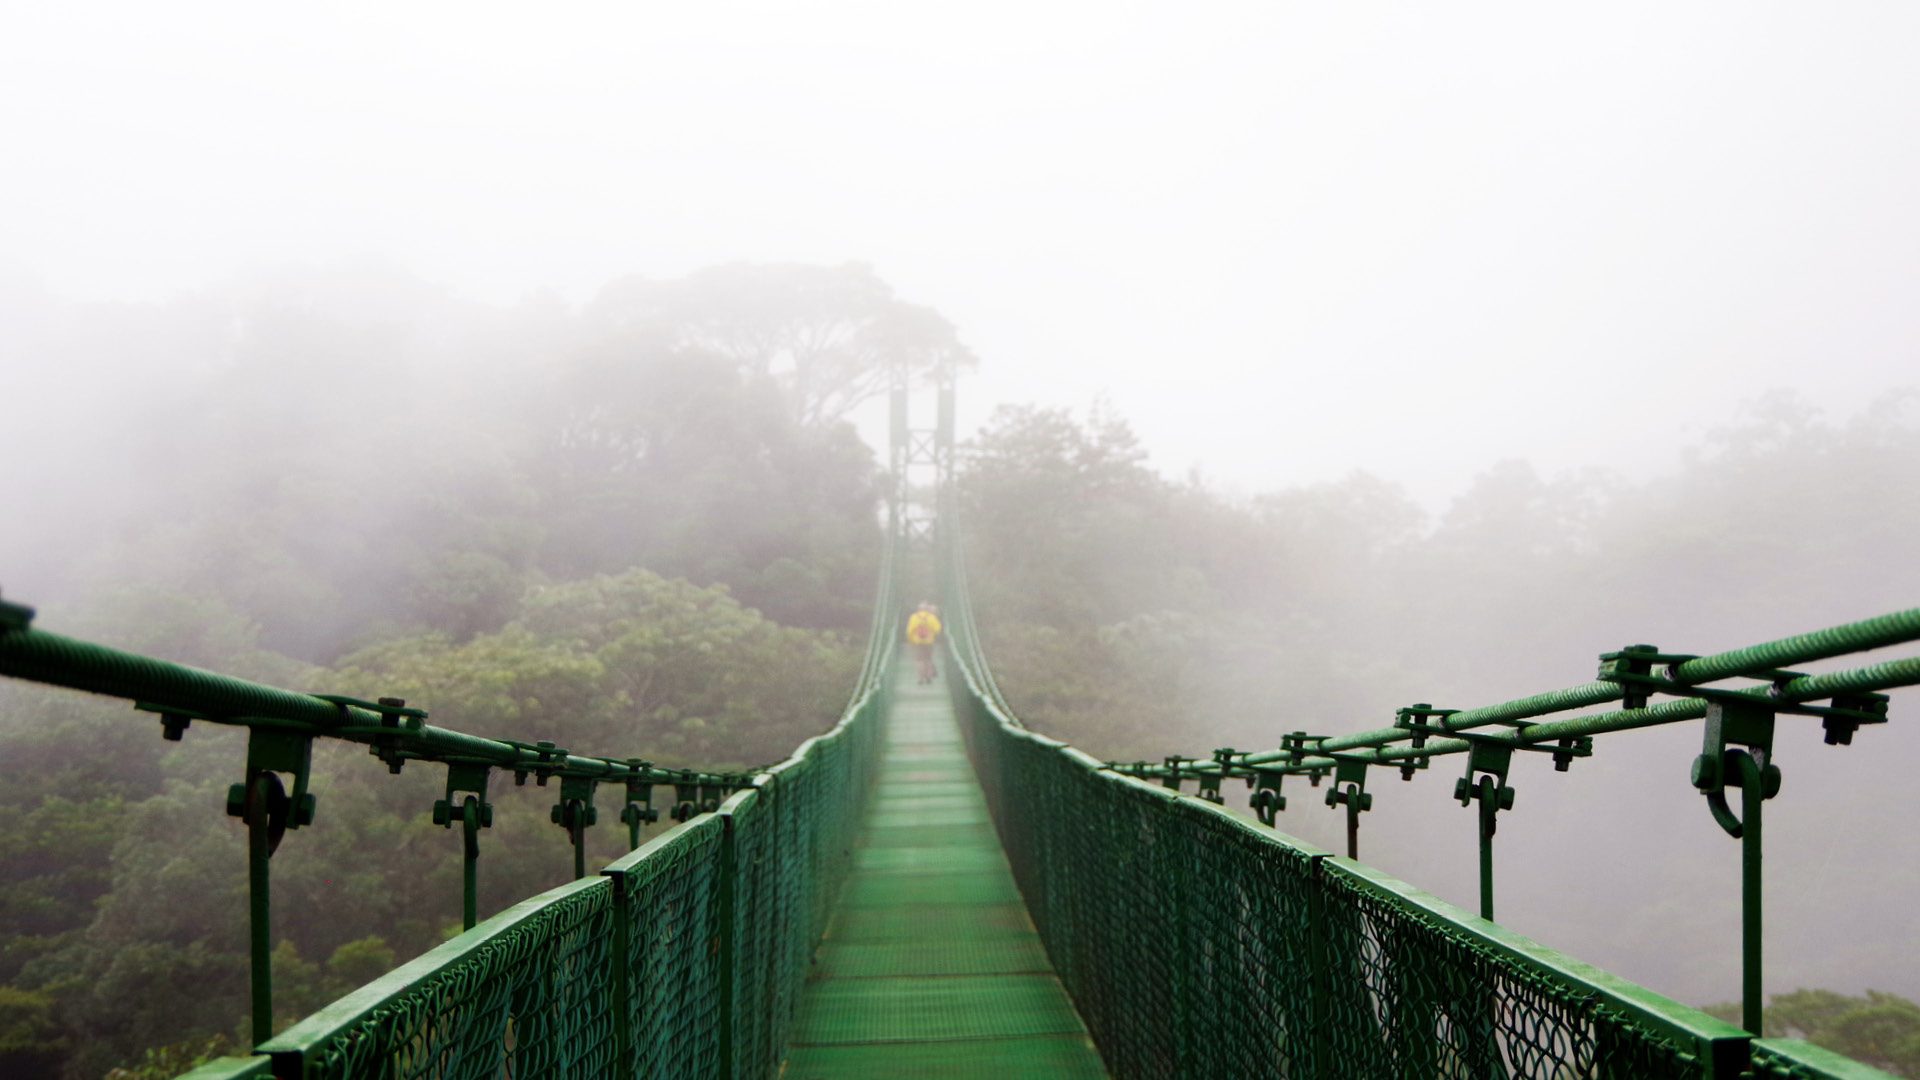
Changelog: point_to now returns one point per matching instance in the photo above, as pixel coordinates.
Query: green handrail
(571, 981)
(1195, 942)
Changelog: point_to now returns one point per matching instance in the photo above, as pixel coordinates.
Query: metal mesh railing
(683, 959)
(1195, 942)
(526, 993)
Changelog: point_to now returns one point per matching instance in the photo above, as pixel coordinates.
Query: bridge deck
(931, 966)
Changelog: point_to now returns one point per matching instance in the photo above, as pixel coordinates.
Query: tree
(830, 336)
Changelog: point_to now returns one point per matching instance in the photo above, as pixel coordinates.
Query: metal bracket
(1632, 668)
(1174, 764)
(639, 809)
(1210, 783)
(1490, 759)
(550, 760)
(1266, 799)
(575, 808)
(270, 753)
(469, 779)
(1349, 782)
(1294, 744)
(394, 717)
(1734, 730)
(686, 796)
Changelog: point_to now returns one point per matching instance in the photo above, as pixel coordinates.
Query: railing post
(622, 976)
(1738, 752)
(729, 874)
(1752, 794)
(575, 813)
(475, 813)
(259, 790)
(1319, 976)
(263, 803)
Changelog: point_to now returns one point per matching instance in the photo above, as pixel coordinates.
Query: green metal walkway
(931, 967)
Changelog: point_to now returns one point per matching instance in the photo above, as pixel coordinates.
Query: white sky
(1284, 239)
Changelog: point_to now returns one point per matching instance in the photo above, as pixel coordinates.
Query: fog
(1350, 226)
(1462, 342)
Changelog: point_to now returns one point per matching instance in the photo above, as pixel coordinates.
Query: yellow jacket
(923, 628)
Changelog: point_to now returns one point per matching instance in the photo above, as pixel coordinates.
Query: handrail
(1270, 955)
(282, 727)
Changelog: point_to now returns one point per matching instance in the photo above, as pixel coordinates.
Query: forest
(649, 526)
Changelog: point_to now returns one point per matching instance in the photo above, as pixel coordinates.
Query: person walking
(923, 630)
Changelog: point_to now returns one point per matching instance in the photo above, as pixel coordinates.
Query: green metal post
(1489, 807)
(729, 873)
(1752, 794)
(1319, 978)
(470, 851)
(622, 977)
(1353, 822)
(578, 829)
(260, 902)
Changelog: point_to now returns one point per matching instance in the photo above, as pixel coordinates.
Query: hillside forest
(648, 526)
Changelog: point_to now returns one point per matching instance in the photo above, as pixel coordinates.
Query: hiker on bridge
(923, 630)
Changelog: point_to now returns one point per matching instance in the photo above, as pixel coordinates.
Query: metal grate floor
(931, 966)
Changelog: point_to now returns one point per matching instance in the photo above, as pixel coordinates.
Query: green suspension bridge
(931, 889)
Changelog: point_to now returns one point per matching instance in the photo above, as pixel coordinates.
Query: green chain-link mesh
(1197, 943)
(685, 958)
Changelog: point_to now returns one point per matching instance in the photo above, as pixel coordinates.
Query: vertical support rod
(260, 902)
(1353, 821)
(578, 829)
(470, 863)
(1752, 795)
(633, 831)
(1489, 806)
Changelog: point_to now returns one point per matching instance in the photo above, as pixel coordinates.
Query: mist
(1314, 362)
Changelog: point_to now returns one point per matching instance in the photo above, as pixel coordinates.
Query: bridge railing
(684, 958)
(1197, 942)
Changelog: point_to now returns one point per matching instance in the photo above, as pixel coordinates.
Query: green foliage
(387, 492)
(628, 660)
(31, 1041)
(54, 866)
(1879, 1029)
(169, 1061)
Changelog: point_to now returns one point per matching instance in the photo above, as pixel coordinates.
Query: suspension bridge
(931, 889)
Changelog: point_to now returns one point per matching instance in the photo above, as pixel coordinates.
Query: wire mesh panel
(1196, 943)
(670, 895)
(761, 919)
(1182, 933)
(1421, 988)
(527, 993)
